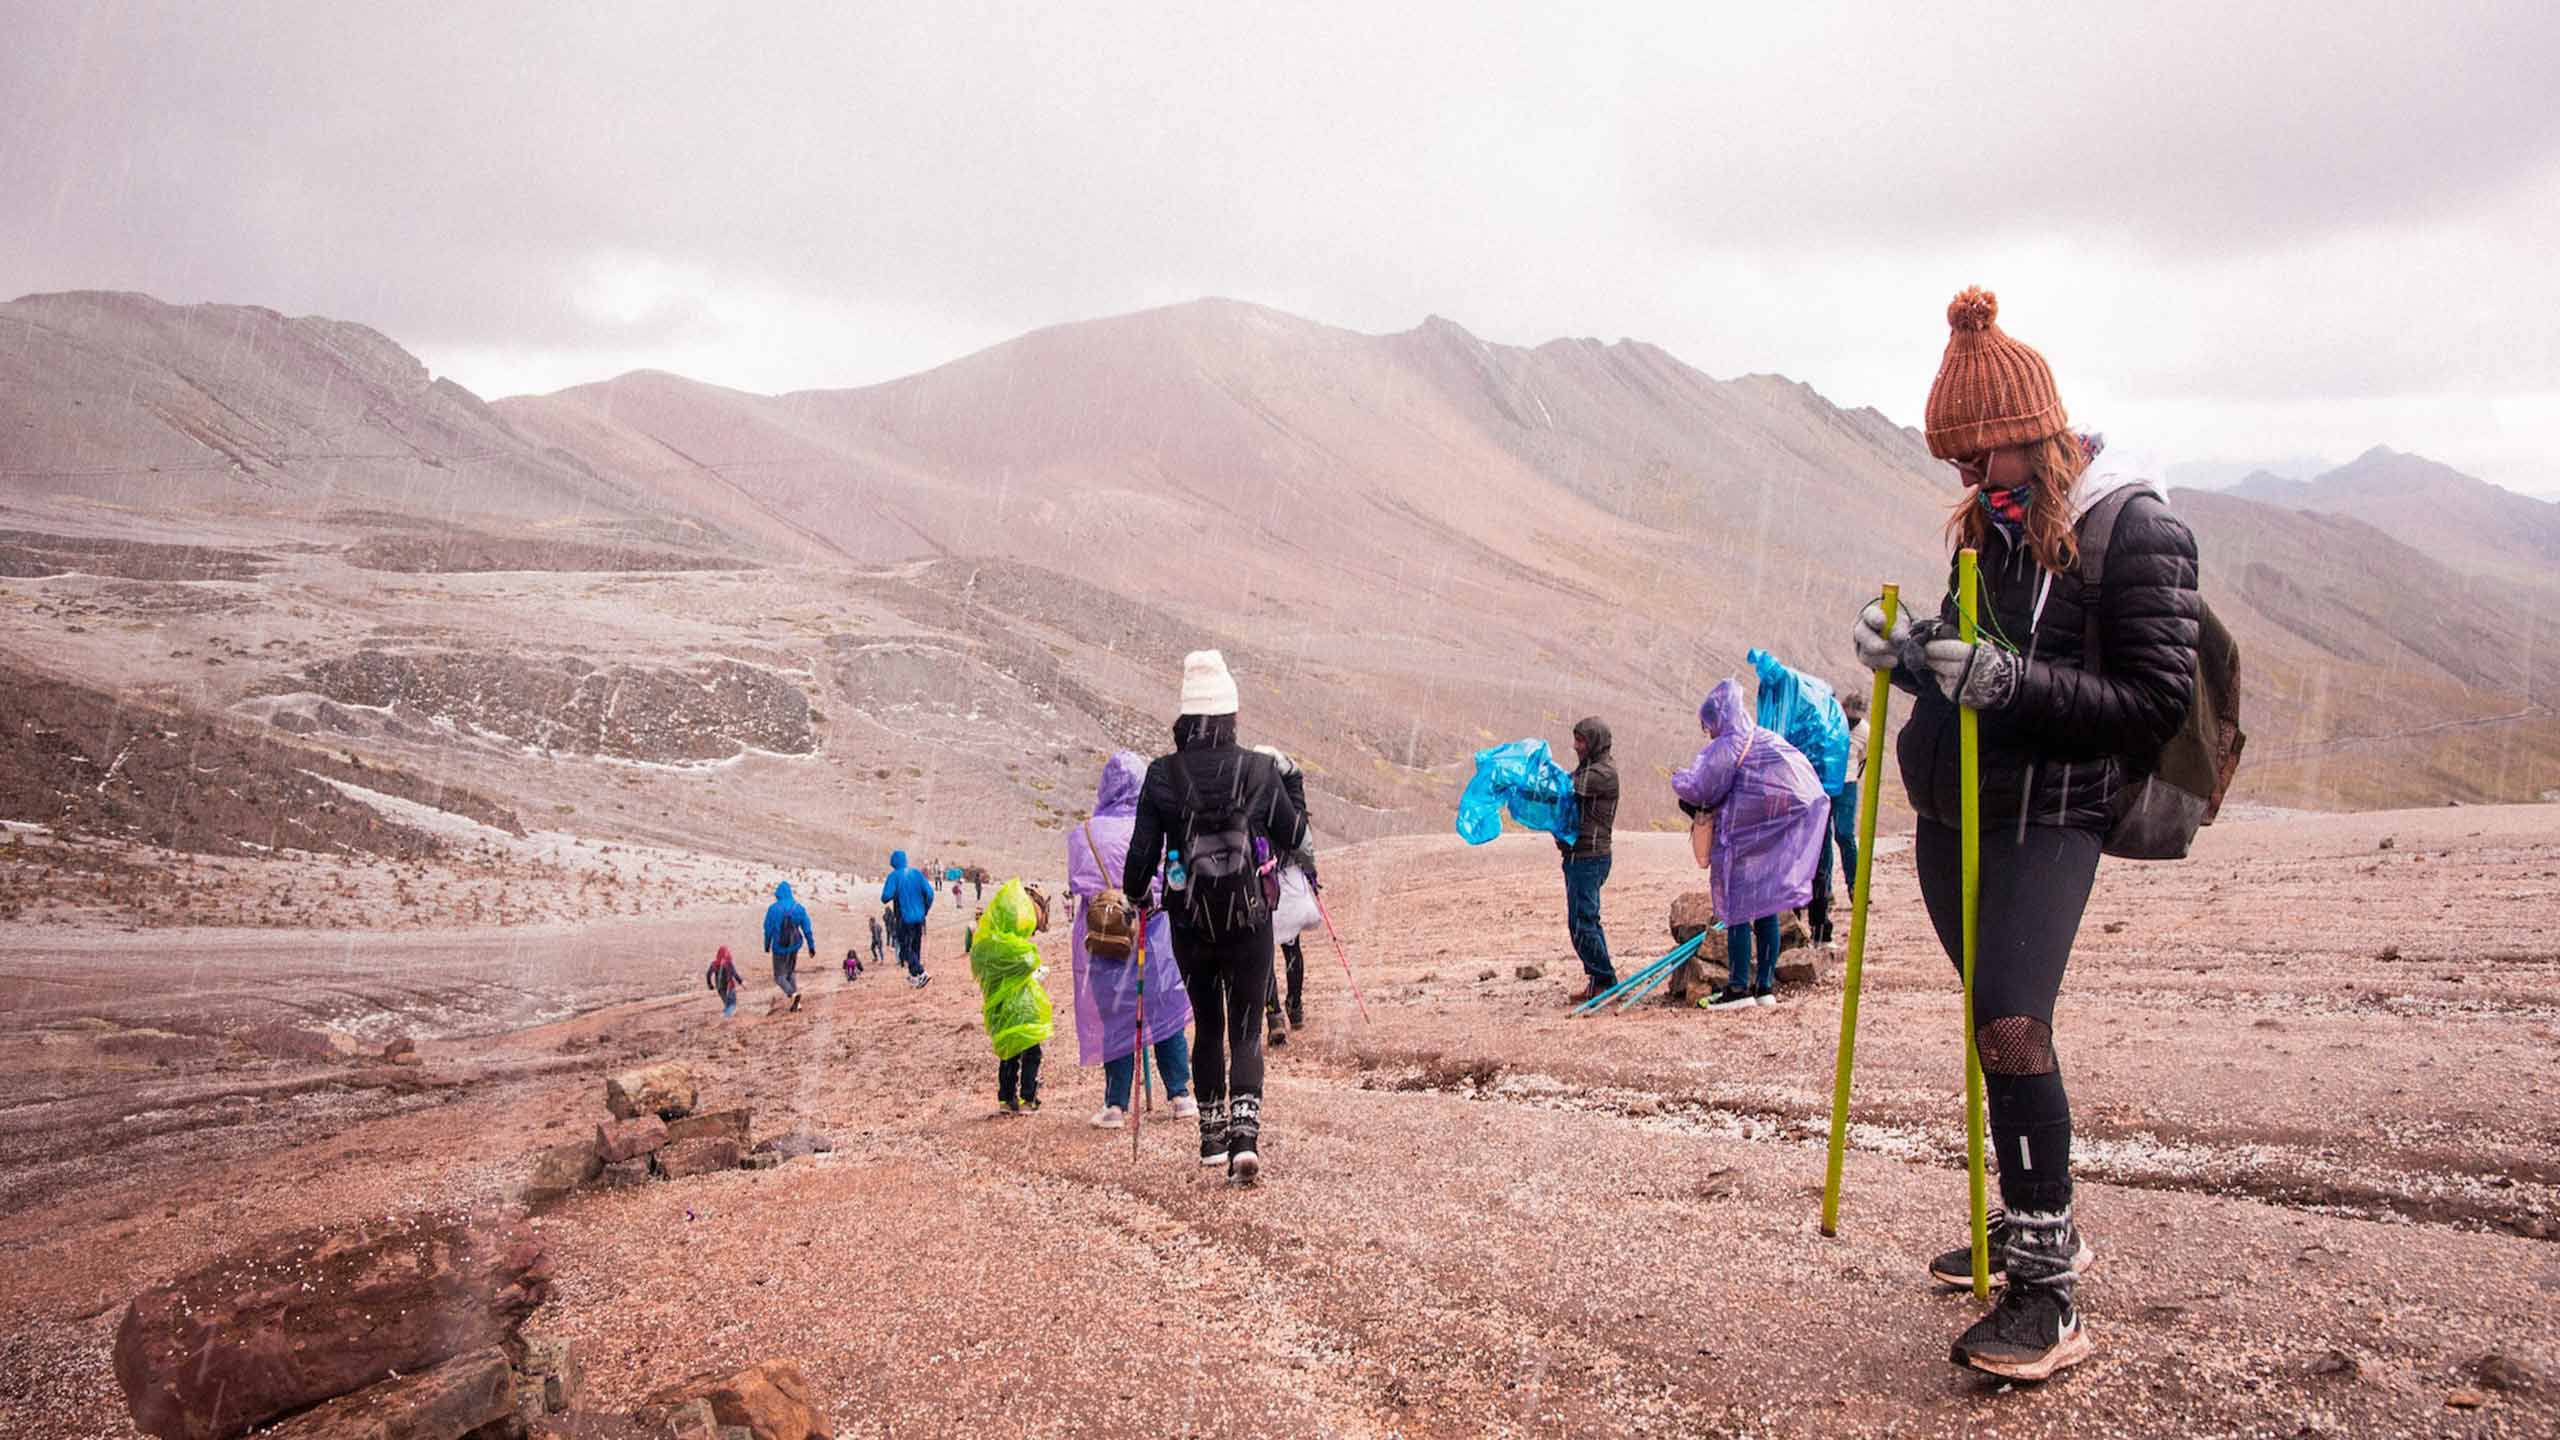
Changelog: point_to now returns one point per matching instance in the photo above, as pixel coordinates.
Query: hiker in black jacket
(1201, 812)
(2056, 725)
(1587, 859)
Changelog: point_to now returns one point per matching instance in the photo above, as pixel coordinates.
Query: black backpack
(2167, 797)
(787, 939)
(1223, 897)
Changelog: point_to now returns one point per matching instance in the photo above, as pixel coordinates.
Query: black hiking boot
(1244, 1140)
(1213, 1133)
(2034, 1331)
(1955, 1267)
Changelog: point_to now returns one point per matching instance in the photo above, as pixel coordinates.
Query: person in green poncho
(1006, 961)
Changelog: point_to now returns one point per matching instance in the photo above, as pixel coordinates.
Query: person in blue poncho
(1804, 711)
(909, 894)
(786, 933)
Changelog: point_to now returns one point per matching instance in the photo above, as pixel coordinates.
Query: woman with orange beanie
(2068, 680)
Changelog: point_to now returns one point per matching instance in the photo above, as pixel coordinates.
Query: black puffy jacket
(2057, 751)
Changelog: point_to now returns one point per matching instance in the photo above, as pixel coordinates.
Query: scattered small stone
(2338, 1363)
(2465, 1400)
(2386, 844)
(1529, 970)
(2504, 1372)
(1486, 973)
(797, 1144)
(2113, 927)
(759, 1160)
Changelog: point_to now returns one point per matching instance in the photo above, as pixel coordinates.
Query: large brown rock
(1693, 913)
(445, 1403)
(1800, 967)
(667, 1091)
(771, 1400)
(697, 1157)
(630, 1139)
(295, 1319)
(557, 1170)
(729, 1124)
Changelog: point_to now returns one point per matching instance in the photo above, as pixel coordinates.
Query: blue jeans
(1844, 831)
(786, 973)
(1740, 940)
(1582, 882)
(1173, 1068)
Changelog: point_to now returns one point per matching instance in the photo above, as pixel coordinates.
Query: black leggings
(1227, 981)
(2034, 887)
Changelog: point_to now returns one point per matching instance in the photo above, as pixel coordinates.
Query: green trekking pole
(1969, 759)
(1871, 783)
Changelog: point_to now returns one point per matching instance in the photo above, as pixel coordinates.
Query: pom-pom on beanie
(1991, 391)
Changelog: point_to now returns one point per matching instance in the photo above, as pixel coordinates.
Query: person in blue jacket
(911, 892)
(787, 932)
(1803, 711)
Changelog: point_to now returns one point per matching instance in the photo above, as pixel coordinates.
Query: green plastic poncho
(1006, 961)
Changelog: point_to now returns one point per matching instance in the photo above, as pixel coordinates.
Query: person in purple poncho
(1107, 990)
(1771, 820)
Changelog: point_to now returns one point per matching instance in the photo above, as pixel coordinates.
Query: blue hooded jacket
(909, 888)
(784, 906)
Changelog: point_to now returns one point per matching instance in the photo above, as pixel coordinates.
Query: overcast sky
(2237, 231)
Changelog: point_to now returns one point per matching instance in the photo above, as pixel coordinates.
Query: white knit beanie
(1207, 688)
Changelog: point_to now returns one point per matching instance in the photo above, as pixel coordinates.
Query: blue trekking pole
(1146, 1097)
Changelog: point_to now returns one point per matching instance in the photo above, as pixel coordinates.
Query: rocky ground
(2310, 1070)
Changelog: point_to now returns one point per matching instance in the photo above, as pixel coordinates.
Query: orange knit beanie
(1991, 391)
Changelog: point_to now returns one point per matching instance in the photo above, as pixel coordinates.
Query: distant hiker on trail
(2057, 723)
(1005, 960)
(978, 884)
(1805, 711)
(1586, 860)
(879, 956)
(1769, 821)
(909, 898)
(1292, 891)
(1200, 810)
(1106, 984)
(1844, 809)
(786, 933)
(724, 981)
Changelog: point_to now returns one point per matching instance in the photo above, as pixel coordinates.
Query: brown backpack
(1110, 921)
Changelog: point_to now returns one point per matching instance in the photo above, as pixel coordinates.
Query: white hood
(2115, 469)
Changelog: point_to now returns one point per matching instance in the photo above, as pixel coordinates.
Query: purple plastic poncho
(1771, 816)
(1107, 990)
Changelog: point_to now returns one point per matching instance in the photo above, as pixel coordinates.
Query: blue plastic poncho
(1804, 709)
(1771, 817)
(1521, 777)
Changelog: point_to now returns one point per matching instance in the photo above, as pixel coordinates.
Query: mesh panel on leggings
(2015, 1045)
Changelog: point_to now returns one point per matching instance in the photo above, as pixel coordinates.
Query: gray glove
(1878, 650)
(1977, 677)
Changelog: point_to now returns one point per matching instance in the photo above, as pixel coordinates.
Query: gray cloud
(2291, 204)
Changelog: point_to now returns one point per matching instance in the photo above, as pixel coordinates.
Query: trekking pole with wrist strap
(1871, 786)
(1339, 949)
(1969, 759)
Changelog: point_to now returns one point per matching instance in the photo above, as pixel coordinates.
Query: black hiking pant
(1295, 956)
(1228, 981)
(2035, 885)
(1019, 1076)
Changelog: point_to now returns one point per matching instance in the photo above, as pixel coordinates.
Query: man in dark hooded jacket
(1586, 860)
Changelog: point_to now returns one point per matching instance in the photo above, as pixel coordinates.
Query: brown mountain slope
(2466, 522)
(1410, 545)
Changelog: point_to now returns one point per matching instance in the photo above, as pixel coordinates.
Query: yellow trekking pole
(1871, 786)
(1969, 759)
